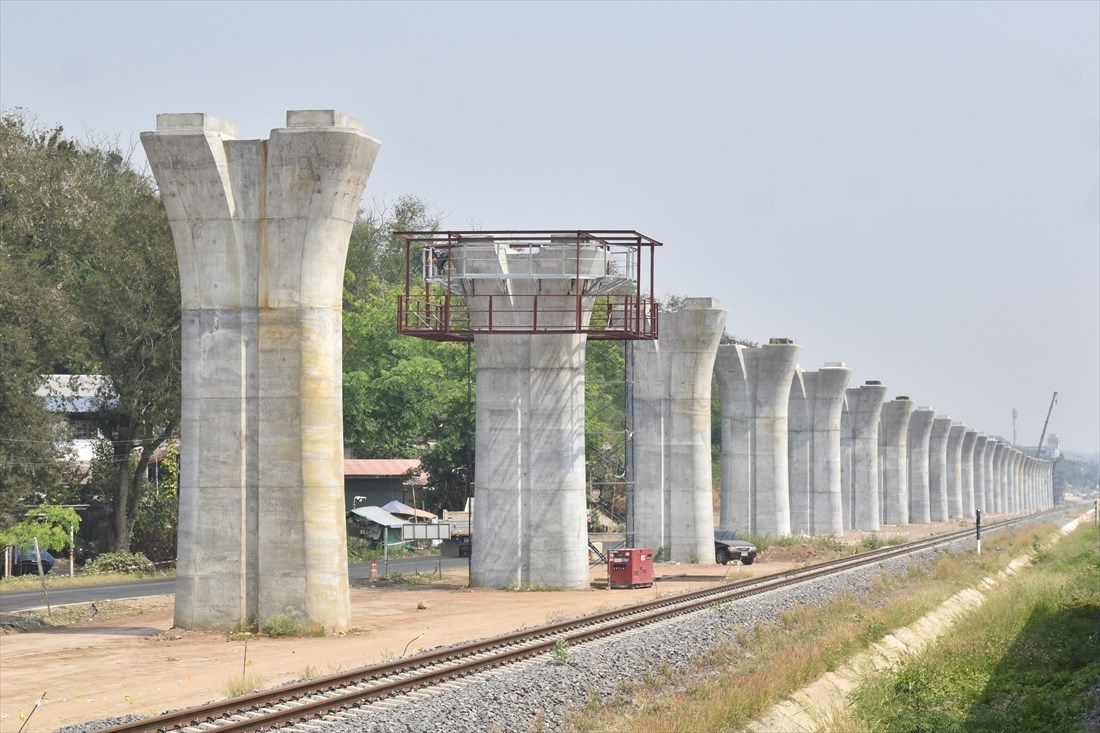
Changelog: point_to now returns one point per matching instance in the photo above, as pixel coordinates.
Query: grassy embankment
(1029, 660)
(740, 680)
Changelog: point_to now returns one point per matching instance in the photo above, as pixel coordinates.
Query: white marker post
(42, 576)
(978, 527)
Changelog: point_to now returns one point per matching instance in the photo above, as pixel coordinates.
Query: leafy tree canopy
(89, 282)
(49, 524)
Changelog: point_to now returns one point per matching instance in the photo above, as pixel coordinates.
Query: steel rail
(245, 714)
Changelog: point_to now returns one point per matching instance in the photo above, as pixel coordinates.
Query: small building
(378, 481)
(373, 523)
(76, 398)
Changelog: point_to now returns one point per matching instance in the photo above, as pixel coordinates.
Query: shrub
(133, 563)
(287, 624)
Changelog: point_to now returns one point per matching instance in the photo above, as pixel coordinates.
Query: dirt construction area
(126, 658)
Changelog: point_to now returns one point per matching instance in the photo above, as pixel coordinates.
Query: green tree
(49, 524)
(403, 396)
(82, 231)
(158, 516)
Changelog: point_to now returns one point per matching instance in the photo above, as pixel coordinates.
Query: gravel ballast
(541, 691)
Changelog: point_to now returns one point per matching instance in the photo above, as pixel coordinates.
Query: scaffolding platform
(459, 284)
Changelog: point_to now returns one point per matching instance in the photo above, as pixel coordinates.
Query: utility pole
(1015, 416)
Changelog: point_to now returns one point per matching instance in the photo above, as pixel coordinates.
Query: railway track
(303, 701)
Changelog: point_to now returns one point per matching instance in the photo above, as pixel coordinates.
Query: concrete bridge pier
(893, 431)
(799, 440)
(817, 401)
(937, 468)
(673, 479)
(864, 412)
(920, 432)
(966, 472)
(530, 505)
(1021, 481)
(954, 470)
(1000, 452)
(981, 448)
(261, 250)
(991, 454)
(755, 385)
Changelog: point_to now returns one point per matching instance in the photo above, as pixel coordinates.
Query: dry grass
(242, 684)
(738, 681)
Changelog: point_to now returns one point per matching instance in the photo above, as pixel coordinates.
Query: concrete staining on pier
(674, 504)
(261, 230)
(754, 385)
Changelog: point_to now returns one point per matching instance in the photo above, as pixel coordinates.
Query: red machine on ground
(630, 568)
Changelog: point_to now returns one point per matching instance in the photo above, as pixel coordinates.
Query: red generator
(630, 568)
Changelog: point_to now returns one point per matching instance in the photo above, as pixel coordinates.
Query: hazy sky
(911, 188)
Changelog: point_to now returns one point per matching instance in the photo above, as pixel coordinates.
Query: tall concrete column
(1029, 493)
(1025, 466)
(799, 439)
(817, 399)
(967, 472)
(937, 468)
(529, 519)
(991, 475)
(920, 431)
(846, 507)
(1036, 494)
(261, 256)
(825, 392)
(981, 447)
(673, 480)
(1021, 482)
(755, 384)
(864, 413)
(999, 477)
(893, 452)
(955, 471)
(1013, 480)
(1006, 465)
(1033, 473)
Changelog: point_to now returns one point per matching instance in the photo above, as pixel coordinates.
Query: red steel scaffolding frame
(440, 308)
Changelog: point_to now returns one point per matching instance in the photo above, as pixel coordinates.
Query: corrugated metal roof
(396, 507)
(378, 515)
(76, 393)
(381, 466)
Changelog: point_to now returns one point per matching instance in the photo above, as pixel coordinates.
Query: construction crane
(1043, 436)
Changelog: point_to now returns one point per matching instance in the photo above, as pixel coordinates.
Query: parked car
(25, 563)
(728, 546)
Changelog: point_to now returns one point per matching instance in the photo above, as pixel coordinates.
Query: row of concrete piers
(803, 453)
(261, 229)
